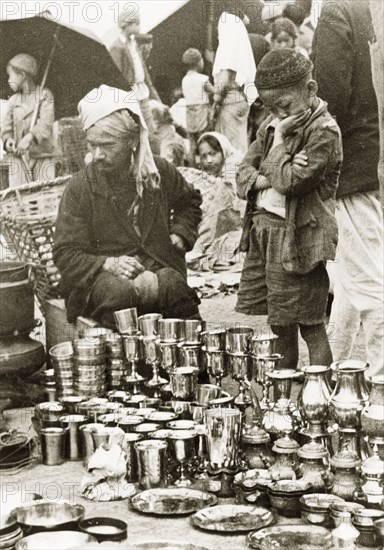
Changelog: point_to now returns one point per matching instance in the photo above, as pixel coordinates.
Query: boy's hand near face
(288, 125)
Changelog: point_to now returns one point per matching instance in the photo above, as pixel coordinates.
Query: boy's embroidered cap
(192, 57)
(282, 68)
(24, 62)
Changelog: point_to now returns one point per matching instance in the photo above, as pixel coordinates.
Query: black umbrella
(73, 60)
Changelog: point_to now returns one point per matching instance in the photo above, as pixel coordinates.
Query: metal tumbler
(53, 445)
(152, 462)
(74, 441)
(128, 446)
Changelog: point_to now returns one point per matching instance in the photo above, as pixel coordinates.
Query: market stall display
(174, 446)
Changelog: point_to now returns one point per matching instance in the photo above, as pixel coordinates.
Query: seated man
(125, 221)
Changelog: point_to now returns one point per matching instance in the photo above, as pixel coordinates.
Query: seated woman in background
(222, 210)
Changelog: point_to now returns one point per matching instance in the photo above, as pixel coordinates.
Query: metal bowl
(9, 502)
(60, 540)
(379, 525)
(43, 515)
(285, 496)
(315, 508)
(104, 528)
(365, 517)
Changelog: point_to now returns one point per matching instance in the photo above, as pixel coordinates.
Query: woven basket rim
(33, 187)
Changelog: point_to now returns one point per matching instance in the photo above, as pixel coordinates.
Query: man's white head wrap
(111, 109)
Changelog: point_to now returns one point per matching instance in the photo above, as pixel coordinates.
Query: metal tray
(229, 518)
(170, 501)
(291, 537)
(160, 545)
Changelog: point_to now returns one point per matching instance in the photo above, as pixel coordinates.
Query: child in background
(284, 34)
(289, 178)
(165, 131)
(178, 109)
(197, 91)
(30, 150)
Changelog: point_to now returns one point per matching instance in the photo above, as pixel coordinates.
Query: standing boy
(196, 89)
(30, 148)
(289, 178)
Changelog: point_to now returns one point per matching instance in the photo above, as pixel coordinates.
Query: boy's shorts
(267, 288)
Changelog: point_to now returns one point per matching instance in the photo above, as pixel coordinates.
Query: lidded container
(314, 465)
(345, 535)
(346, 481)
(372, 489)
(286, 460)
(257, 448)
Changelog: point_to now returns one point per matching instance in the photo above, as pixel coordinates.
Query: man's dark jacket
(342, 69)
(90, 227)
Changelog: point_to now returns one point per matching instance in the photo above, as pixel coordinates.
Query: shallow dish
(47, 514)
(229, 518)
(291, 537)
(182, 425)
(162, 417)
(253, 479)
(59, 540)
(169, 501)
(8, 504)
(104, 529)
(159, 545)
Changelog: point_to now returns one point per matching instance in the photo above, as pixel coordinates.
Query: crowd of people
(275, 137)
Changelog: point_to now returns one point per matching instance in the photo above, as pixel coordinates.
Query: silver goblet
(184, 447)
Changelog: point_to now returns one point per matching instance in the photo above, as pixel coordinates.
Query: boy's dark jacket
(310, 191)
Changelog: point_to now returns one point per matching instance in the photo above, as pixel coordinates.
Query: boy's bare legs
(287, 345)
(316, 338)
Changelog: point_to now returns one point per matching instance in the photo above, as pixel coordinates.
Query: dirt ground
(219, 311)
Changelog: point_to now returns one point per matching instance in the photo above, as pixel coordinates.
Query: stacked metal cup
(149, 328)
(238, 348)
(117, 368)
(171, 336)
(63, 363)
(128, 326)
(264, 360)
(191, 352)
(90, 366)
(215, 353)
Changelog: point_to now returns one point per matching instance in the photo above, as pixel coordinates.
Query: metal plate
(160, 545)
(169, 501)
(229, 518)
(297, 537)
(162, 417)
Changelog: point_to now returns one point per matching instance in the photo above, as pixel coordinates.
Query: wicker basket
(28, 214)
(73, 145)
